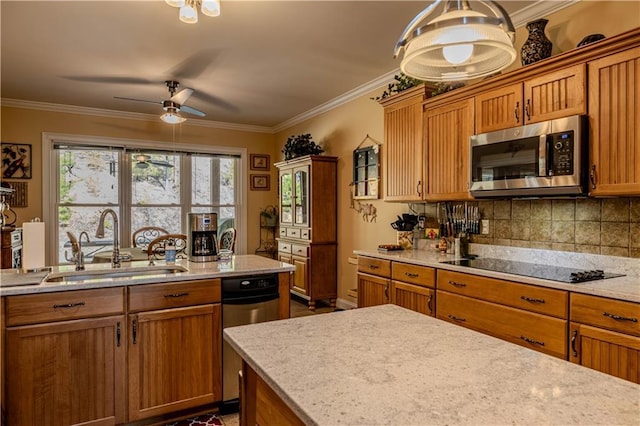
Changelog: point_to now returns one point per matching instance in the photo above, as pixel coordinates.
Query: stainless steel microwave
(540, 159)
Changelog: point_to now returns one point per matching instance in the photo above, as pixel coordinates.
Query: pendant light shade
(189, 9)
(188, 13)
(211, 7)
(172, 117)
(460, 44)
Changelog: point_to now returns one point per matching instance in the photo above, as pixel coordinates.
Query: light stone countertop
(13, 282)
(389, 365)
(623, 288)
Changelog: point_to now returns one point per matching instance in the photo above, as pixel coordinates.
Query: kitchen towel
(32, 245)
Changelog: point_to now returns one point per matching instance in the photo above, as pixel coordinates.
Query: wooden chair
(143, 236)
(227, 240)
(155, 250)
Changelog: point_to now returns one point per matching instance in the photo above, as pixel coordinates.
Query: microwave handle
(543, 158)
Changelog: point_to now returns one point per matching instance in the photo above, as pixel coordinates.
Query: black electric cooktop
(545, 272)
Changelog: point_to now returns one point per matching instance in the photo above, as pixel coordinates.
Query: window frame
(50, 183)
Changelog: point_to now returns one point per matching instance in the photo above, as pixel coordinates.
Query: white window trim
(50, 179)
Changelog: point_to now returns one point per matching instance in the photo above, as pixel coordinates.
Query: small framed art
(259, 162)
(260, 182)
(16, 161)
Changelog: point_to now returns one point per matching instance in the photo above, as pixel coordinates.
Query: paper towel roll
(32, 245)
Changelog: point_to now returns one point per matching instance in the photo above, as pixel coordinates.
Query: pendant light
(189, 9)
(460, 44)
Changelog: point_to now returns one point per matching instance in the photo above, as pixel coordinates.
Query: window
(145, 187)
(365, 173)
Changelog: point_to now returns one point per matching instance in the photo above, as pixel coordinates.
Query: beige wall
(26, 126)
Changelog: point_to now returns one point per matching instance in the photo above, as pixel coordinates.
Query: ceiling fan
(174, 104)
(143, 161)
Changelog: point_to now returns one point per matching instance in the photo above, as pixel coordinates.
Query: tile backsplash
(599, 226)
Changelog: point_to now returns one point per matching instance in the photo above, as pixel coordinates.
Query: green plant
(402, 82)
(297, 146)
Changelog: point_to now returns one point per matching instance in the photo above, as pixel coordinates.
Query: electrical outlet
(485, 227)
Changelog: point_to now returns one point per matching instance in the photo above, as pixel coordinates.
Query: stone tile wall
(600, 226)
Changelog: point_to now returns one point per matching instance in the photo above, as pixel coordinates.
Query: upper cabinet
(403, 156)
(549, 96)
(447, 132)
(614, 108)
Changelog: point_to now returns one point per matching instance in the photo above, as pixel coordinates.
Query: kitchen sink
(103, 274)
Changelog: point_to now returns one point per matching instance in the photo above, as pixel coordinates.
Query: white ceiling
(260, 63)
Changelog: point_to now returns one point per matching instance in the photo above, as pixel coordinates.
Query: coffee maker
(202, 237)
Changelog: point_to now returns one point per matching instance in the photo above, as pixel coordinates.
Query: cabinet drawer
(64, 305)
(300, 250)
(414, 274)
(523, 296)
(284, 247)
(535, 331)
(615, 315)
(293, 232)
(283, 232)
(371, 265)
(305, 234)
(171, 295)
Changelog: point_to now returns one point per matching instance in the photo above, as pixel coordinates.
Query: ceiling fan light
(172, 118)
(175, 3)
(188, 14)
(211, 7)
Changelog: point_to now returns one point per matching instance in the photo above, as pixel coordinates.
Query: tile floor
(298, 308)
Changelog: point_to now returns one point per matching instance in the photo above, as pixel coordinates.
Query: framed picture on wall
(259, 162)
(16, 161)
(260, 182)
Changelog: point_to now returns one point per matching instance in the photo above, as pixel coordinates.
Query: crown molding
(538, 10)
(72, 109)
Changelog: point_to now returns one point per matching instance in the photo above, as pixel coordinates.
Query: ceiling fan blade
(193, 66)
(189, 110)
(137, 100)
(182, 96)
(160, 163)
(108, 79)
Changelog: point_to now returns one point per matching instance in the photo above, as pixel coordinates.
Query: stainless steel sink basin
(103, 274)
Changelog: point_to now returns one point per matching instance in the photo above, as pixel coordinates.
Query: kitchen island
(390, 365)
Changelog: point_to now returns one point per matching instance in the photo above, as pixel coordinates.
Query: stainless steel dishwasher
(245, 300)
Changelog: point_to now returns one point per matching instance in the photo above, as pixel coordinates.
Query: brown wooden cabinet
(374, 281)
(552, 95)
(403, 157)
(175, 346)
(614, 90)
(447, 131)
(413, 287)
(527, 315)
(605, 335)
(308, 225)
(66, 358)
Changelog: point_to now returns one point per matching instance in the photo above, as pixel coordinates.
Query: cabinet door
(300, 276)
(499, 109)
(448, 130)
(301, 196)
(67, 373)
(606, 351)
(286, 197)
(373, 290)
(174, 360)
(416, 298)
(555, 95)
(403, 156)
(614, 90)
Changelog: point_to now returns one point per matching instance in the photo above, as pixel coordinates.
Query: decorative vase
(537, 46)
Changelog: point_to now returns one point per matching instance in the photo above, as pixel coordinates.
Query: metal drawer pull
(574, 337)
(373, 266)
(619, 318)
(69, 305)
(410, 275)
(386, 291)
(516, 112)
(134, 330)
(456, 318)
(176, 295)
(118, 333)
(457, 284)
(429, 303)
(534, 342)
(532, 299)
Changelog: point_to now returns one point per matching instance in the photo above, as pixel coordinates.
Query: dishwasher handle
(246, 300)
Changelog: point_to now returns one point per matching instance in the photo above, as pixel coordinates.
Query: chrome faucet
(115, 256)
(80, 256)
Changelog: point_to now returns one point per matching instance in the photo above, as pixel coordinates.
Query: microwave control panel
(562, 154)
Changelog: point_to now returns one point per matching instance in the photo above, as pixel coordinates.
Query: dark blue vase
(537, 46)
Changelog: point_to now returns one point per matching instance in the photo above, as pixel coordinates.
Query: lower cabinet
(175, 345)
(373, 290)
(605, 335)
(66, 358)
(413, 287)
